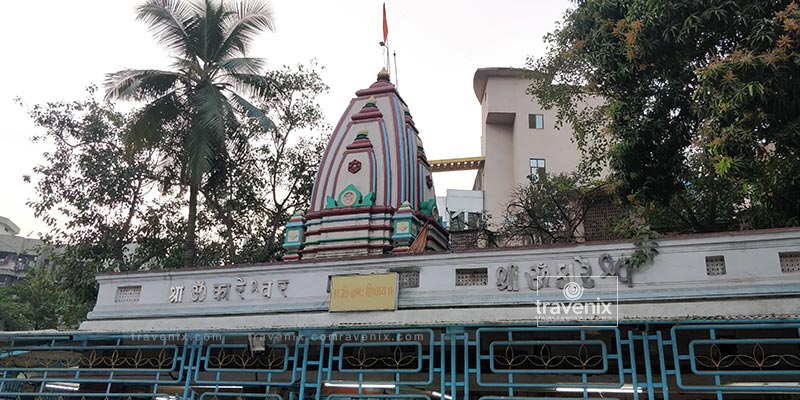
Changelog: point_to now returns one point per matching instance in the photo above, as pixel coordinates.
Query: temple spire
(373, 193)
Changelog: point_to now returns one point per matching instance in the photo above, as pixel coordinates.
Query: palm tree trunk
(189, 248)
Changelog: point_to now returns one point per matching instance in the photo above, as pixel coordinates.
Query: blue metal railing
(644, 361)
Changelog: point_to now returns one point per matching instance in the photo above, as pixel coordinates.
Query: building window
(537, 169)
(536, 121)
(464, 220)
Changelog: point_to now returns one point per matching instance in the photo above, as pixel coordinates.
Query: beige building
(518, 139)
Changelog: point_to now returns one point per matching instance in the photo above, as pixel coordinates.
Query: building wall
(508, 143)
(740, 274)
(468, 202)
(498, 176)
(18, 254)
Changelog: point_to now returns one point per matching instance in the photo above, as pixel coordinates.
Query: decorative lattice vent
(472, 277)
(601, 217)
(715, 265)
(128, 294)
(408, 279)
(790, 262)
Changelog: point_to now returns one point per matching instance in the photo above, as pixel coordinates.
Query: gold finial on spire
(384, 74)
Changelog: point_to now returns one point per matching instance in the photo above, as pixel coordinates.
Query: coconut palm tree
(206, 89)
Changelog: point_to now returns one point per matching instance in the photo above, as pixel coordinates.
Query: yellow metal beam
(457, 164)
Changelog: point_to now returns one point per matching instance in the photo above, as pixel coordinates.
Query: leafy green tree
(551, 209)
(15, 313)
(698, 116)
(89, 188)
(751, 128)
(110, 209)
(96, 196)
(39, 301)
(205, 91)
(291, 149)
(253, 192)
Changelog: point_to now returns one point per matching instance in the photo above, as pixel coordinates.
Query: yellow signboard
(364, 292)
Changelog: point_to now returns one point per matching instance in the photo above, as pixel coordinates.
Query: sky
(54, 49)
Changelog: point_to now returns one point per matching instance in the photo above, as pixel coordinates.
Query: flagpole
(386, 63)
(388, 60)
(396, 79)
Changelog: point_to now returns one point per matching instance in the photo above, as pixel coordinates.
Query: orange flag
(385, 26)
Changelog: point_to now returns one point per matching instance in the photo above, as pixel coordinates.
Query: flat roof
(482, 75)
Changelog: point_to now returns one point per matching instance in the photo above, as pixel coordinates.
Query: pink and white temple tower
(373, 192)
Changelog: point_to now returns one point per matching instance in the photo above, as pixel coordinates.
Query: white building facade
(18, 254)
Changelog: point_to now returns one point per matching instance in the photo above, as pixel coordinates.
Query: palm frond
(212, 109)
(189, 68)
(240, 27)
(139, 84)
(207, 34)
(202, 147)
(256, 86)
(242, 65)
(148, 128)
(251, 111)
(169, 20)
(215, 34)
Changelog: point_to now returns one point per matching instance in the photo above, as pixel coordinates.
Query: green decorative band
(367, 238)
